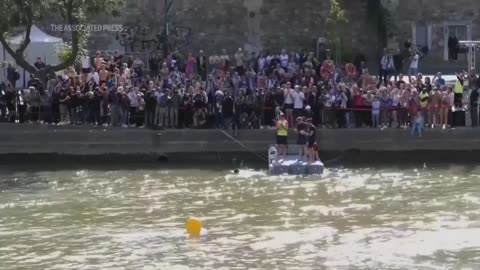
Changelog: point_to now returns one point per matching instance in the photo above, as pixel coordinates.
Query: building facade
(430, 24)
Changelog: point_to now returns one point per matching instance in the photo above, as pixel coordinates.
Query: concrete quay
(189, 145)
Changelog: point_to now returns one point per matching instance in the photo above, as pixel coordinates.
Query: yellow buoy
(193, 226)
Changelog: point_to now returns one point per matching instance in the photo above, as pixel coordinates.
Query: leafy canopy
(337, 28)
(22, 14)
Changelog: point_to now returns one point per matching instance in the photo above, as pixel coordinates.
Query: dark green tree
(23, 14)
(337, 31)
(379, 20)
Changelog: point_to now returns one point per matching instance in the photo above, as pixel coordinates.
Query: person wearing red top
(328, 68)
(358, 104)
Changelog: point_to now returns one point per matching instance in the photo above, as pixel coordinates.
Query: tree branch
(28, 27)
(75, 40)
(26, 13)
(27, 40)
(19, 59)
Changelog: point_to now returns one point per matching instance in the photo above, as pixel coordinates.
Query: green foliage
(17, 14)
(337, 14)
(64, 52)
(337, 33)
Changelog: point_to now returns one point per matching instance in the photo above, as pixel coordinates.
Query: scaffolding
(472, 46)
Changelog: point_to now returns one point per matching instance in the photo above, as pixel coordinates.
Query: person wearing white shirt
(386, 66)
(262, 60)
(133, 98)
(414, 65)
(126, 73)
(288, 94)
(93, 75)
(269, 58)
(86, 64)
(239, 60)
(395, 95)
(224, 59)
(284, 59)
(327, 114)
(298, 100)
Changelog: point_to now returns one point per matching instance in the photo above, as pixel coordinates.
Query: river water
(409, 218)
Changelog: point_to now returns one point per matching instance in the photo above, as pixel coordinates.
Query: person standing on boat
(301, 138)
(282, 135)
(311, 138)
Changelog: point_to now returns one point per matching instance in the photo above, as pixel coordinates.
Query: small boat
(291, 163)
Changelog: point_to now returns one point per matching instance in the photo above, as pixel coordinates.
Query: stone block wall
(254, 25)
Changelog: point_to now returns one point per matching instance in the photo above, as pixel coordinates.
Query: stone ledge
(83, 140)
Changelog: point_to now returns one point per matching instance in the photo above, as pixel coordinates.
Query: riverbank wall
(42, 143)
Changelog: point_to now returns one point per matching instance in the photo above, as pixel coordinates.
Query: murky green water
(348, 219)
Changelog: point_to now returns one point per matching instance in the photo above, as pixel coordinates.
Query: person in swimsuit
(103, 75)
(437, 107)
(99, 62)
(301, 138)
(315, 152)
(448, 103)
(311, 138)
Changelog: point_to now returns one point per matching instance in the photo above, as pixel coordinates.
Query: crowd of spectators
(233, 91)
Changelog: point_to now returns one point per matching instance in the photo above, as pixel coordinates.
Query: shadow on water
(25, 171)
(214, 161)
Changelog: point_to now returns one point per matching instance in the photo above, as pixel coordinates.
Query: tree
(23, 14)
(378, 18)
(336, 30)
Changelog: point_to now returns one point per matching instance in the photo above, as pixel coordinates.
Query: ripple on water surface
(347, 219)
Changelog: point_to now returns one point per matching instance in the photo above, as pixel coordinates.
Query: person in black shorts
(301, 138)
(282, 135)
(311, 140)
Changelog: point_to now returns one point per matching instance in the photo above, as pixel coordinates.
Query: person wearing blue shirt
(418, 123)
(376, 112)
(110, 83)
(438, 80)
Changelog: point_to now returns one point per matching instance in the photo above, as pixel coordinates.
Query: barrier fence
(266, 114)
(358, 108)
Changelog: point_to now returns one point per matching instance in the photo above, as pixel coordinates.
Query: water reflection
(348, 219)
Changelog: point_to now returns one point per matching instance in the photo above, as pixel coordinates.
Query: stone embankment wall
(254, 25)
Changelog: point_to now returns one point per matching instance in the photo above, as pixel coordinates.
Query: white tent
(41, 45)
(36, 36)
